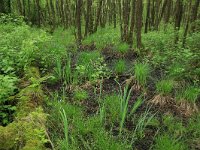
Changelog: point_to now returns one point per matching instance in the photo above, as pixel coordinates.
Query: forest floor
(101, 95)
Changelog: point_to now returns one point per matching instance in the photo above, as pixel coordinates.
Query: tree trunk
(114, 14)
(78, 20)
(187, 24)
(88, 15)
(178, 18)
(2, 7)
(20, 7)
(98, 15)
(139, 11)
(194, 15)
(126, 17)
(132, 22)
(38, 12)
(53, 18)
(147, 17)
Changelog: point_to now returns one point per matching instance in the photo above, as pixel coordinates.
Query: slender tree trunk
(88, 15)
(139, 11)
(187, 24)
(194, 15)
(126, 17)
(2, 7)
(132, 22)
(163, 10)
(178, 18)
(114, 14)
(24, 8)
(62, 13)
(53, 18)
(147, 16)
(120, 18)
(98, 15)
(153, 14)
(38, 12)
(20, 7)
(167, 13)
(78, 20)
(29, 10)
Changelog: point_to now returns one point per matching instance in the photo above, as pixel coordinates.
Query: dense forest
(99, 74)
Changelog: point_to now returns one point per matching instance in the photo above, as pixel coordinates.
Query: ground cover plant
(99, 75)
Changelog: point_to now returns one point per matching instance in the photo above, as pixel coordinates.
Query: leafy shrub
(23, 50)
(11, 18)
(7, 89)
(120, 66)
(158, 41)
(175, 61)
(192, 41)
(91, 66)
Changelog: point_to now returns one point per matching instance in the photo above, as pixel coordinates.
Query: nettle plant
(91, 66)
(7, 89)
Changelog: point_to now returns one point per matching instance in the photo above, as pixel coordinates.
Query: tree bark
(139, 11)
(178, 18)
(78, 20)
(98, 15)
(132, 22)
(194, 15)
(147, 17)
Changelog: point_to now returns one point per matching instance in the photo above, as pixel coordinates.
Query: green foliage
(192, 41)
(166, 142)
(103, 37)
(91, 66)
(80, 95)
(27, 132)
(124, 100)
(23, 50)
(11, 18)
(173, 125)
(158, 41)
(176, 61)
(193, 128)
(164, 86)
(66, 129)
(141, 70)
(120, 66)
(7, 89)
(142, 122)
(122, 48)
(189, 94)
(104, 141)
(112, 106)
